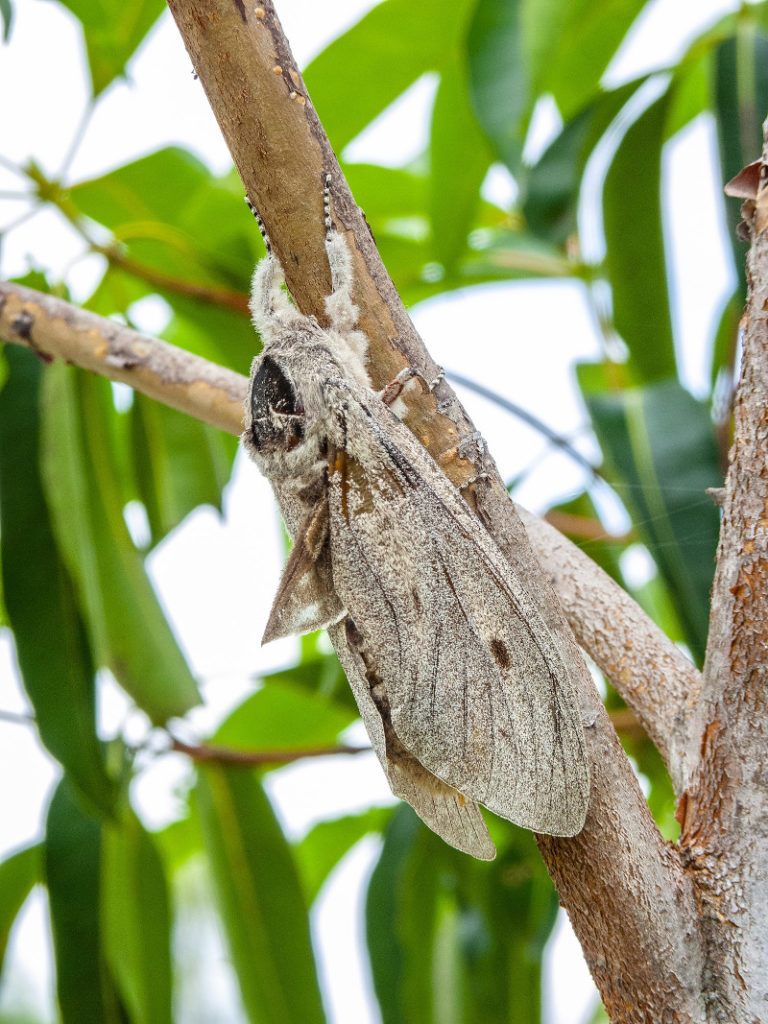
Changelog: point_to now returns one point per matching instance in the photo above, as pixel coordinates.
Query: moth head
(275, 415)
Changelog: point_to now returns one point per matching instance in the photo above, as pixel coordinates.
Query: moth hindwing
(464, 690)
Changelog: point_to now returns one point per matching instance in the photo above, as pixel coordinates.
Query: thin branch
(216, 296)
(77, 138)
(17, 717)
(254, 758)
(527, 417)
(54, 329)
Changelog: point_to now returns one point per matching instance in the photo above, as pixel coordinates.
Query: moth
(463, 689)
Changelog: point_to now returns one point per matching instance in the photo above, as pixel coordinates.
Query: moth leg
(339, 306)
(270, 305)
(395, 388)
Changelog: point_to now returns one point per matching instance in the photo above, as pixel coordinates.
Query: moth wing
(306, 599)
(456, 819)
(477, 688)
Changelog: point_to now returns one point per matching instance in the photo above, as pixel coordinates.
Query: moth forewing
(463, 689)
(477, 688)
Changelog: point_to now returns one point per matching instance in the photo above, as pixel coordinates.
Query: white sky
(216, 616)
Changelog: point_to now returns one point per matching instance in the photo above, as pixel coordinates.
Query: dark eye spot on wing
(272, 391)
(500, 653)
(277, 415)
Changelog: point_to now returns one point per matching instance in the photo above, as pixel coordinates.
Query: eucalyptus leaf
(553, 184)
(453, 938)
(136, 920)
(260, 898)
(19, 873)
(384, 53)
(6, 16)
(129, 630)
(327, 843)
(740, 103)
(284, 716)
(113, 32)
(569, 44)
(73, 847)
(180, 463)
(498, 76)
(455, 185)
(660, 443)
(635, 260)
(51, 642)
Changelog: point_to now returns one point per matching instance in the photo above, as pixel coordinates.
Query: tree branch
(55, 329)
(724, 815)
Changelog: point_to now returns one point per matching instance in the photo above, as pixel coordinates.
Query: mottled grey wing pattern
(447, 812)
(473, 682)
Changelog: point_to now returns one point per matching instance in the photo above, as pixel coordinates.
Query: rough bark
(254, 87)
(724, 814)
(54, 329)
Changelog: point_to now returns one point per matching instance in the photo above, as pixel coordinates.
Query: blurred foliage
(450, 939)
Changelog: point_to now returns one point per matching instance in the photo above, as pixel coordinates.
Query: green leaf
(179, 463)
(137, 922)
(260, 898)
(387, 193)
(740, 103)
(73, 841)
(635, 260)
(498, 76)
(152, 190)
(384, 53)
(51, 643)
(401, 982)
(727, 335)
(19, 872)
(124, 616)
(112, 33)
(6, 16)
(660, 442)
(284, 716)
(569, 44)
(554, 183)
(180, 841)
(455, 939)
(323, 846)
(320, 674)
(455, 185)
(690, 91)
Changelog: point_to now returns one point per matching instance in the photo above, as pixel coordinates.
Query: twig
(527, 417)
(55, 329)
(17, 717)
(252, 758)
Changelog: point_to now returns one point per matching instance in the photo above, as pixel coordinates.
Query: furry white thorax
(337, 352)
(277, 319)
